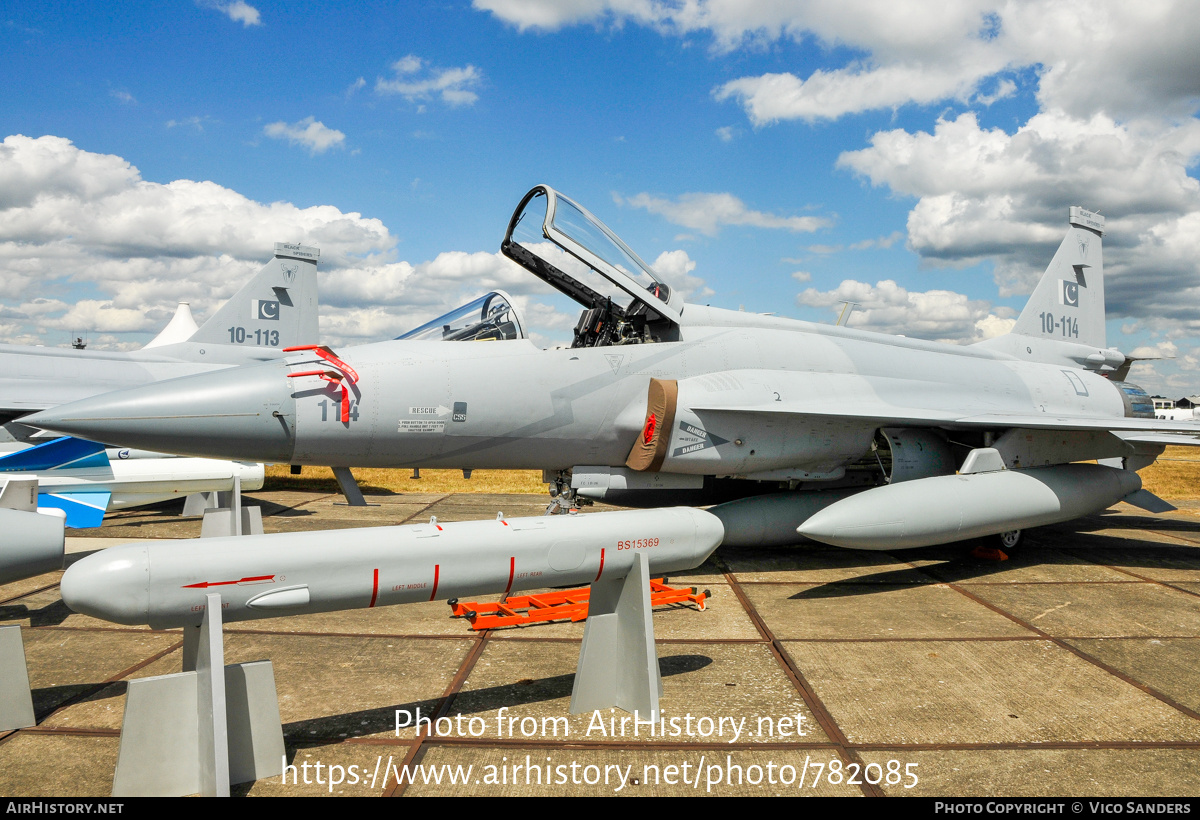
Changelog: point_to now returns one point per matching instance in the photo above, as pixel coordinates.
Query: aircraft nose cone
(113, 585)
(245, 413)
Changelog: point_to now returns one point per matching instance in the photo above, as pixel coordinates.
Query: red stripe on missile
(253, 579)
(601, 570)
(512, 569)
(436, 571)
(374, 590)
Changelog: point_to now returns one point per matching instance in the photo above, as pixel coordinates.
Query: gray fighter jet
(274, 310)
(856, 438)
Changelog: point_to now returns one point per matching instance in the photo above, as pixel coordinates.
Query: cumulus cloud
(675, 268)
(982, 193)
(708, 212)
(238, 11)
(69, 216)
(1125, 59)
(309, 132)
(887, 307)
(416, 80)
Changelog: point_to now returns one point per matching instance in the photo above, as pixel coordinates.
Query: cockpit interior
(561, 243)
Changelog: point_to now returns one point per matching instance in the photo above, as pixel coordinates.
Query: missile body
(32, 544)
(164, 584)
(943, 509)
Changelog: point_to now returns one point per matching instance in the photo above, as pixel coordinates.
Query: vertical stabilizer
(1068, 303)
(277, 308)
(1063, 321)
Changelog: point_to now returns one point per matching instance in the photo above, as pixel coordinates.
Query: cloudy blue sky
(916, 158)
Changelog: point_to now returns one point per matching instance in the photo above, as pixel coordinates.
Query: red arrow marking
(253, 579)
(374, 590)
(601, 572)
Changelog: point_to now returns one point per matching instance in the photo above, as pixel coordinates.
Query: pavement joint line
(118, 629)
(300, 504)
(425, 508)
(80, 731)
(30, 592)
(627, 745)
(932, 582)
(807, 693)
(1147, 579)
(1056, 745)
(1063, 644)
(87, 693)
(746, 746)
(415, 752)
(1154, 581)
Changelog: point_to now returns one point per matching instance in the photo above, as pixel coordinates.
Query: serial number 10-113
(239, 336)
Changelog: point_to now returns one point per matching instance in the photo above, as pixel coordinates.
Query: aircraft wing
(1159, 438)
(892, 416)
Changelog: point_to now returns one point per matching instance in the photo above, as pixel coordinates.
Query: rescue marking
(374, 589)
(512, 568)
(601, 570)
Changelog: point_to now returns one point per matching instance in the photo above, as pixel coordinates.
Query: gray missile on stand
(164, 584)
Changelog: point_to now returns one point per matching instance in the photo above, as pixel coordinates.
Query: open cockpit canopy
(489, 318)
(561, 243)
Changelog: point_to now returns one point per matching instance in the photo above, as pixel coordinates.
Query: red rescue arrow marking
(374, 590)
(253, 579)
(329, 356)
(512, 569)
(601, 570)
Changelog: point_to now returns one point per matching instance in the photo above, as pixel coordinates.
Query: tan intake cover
(650, 449)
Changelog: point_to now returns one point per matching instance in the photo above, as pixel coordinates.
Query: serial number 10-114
(1066, 325)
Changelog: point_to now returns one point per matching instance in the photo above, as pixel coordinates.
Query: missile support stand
(618, 663)
(16, 700)
(198, 731)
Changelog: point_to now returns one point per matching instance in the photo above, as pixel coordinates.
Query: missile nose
(710, 531)
(246, 413)
(113, 585)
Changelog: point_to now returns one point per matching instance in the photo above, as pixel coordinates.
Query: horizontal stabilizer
(83, 509)
(61, 453)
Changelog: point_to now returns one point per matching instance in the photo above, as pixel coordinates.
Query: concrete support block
(198, 731)
(16, 701)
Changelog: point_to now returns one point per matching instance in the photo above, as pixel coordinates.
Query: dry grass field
(1176, 475)
(401, 481)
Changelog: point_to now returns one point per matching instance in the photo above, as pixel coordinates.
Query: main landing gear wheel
(1000, 547)
(1008, 541)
